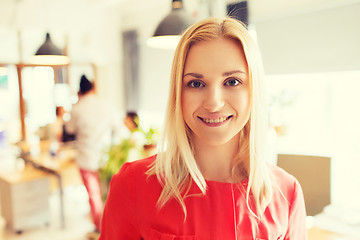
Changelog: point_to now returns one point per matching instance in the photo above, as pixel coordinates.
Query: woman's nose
(214, 99)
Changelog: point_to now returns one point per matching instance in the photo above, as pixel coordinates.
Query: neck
(215, 161)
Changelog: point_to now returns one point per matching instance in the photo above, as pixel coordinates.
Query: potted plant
(151, 140)
(138, 145)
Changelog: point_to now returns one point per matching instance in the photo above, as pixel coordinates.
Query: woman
(210, 179)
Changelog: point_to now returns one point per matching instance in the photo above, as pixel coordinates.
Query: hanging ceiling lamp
(168, 32)
(49, 54)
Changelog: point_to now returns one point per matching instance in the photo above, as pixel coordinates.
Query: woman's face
(215, 91)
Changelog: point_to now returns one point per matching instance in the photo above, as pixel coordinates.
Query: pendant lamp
(49, 54)
(168, 32)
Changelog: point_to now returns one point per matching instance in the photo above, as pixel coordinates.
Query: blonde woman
(210, 179)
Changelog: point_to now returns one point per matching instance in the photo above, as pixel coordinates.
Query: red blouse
(220, 214)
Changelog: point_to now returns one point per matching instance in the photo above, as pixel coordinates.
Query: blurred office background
(310, 49)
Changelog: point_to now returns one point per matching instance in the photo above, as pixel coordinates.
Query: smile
(215, 121)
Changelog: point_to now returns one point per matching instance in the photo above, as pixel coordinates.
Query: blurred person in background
(59, 126)
(131, 121)
(95, 123)
(59, 123)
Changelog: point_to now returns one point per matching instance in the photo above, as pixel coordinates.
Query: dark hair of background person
(131, 114)
(85, 85)
(134, 118)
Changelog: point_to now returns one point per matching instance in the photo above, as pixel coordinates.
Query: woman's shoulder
(287, 183)
(133, 183)
(280, 173)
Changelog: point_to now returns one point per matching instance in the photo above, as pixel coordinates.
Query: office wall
(154, 64)
(318, 40)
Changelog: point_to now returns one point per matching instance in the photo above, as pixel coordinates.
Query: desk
(25, 198)
(316, 233)
(61, 167)
(334, 223)
(63, 163)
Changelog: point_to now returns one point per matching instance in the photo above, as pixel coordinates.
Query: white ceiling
(263, 10)
(67, 13)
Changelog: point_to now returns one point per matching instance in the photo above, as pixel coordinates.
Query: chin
(217, 140)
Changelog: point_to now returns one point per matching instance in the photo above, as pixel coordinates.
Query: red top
(222, 213)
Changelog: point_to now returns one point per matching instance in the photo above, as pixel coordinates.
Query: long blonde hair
(175, 166)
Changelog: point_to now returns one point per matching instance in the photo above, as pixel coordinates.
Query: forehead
(215, 54)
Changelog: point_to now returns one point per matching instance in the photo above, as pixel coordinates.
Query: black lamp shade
(49, 54)
(239, 11)
(48, 48)
(174, 24)
(169, 30)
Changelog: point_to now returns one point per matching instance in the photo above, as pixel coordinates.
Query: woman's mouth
(215, 121)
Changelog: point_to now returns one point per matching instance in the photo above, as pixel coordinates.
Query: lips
(217, 120)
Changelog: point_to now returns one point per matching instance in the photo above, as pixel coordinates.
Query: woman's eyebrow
(225, 74)
(197, 75)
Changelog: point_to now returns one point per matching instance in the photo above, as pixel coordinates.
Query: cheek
(187, 103)
(241, 104)
(190, 99)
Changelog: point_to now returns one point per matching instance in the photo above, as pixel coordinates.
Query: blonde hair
(175, 165)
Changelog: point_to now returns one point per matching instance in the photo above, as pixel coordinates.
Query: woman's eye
(232, 82)
(195, 84)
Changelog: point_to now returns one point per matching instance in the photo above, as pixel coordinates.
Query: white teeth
(212, 120)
